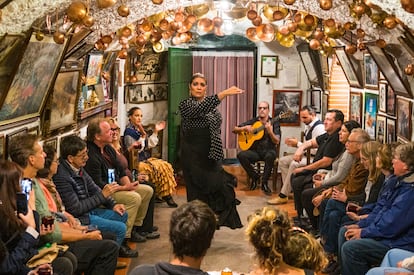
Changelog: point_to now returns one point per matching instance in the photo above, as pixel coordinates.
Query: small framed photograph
(404, 109)
(269, 65)
(52, 142)
(143, 93)
(285, 101)
(391, 99)
(391, 133)
(93, 69)
(382, 99)
(314, 99)
(370, 114)
(355, 107)
(381, 128)
(371, 72)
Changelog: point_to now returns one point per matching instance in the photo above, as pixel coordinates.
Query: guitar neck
(272, 121)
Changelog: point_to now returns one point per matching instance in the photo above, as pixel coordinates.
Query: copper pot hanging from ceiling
(389, 22)
(252, 14)
(157, 2)
(103, 4)
(409, 69)
(381, 43)
(123, 10)
(408, 5)
(325, 4)
(350, 49)
(314, 44)
(265, 32)
(76, 11)
(289, 2)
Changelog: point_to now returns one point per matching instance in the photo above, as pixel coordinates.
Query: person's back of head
(192, 228)
(268, 232)
(21, 147)
(304, 251)
(71, 146)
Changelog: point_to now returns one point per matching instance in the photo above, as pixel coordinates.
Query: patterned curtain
(222, 70)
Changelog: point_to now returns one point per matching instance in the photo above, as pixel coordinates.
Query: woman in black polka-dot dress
(202, 152)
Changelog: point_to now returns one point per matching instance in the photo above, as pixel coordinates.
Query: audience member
(396, 261)
(95, 255)
(304, 251)
(325, 179)
(269, 231)
(351, 189)
(102, 158)
(329, 147)
(262, 146)
(84, 199)
(20, 233)
(147, 229)
(313, 128)
(160, 171)
(389, 225)
(192, 228)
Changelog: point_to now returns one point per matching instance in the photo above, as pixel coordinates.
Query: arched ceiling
(19, 15)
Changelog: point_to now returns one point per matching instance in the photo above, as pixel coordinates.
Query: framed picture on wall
(52, 142)
(370, 114)
(381, 128)
(404, 109)
(370, 72)
(391, 133)
(287, 100)
(93, 69)
(2, 147)
(269, 65)
(355, 107)
(33, 80)
(348, 67)
(382, 98)
(389, 70)
(150, 92)
(391, 100)
(314, 99)
(12, 135)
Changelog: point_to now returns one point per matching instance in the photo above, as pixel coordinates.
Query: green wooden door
(180, 66)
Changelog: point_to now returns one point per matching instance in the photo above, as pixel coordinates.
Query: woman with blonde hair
(269, 231)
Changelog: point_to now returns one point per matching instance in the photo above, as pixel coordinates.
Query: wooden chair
(259, 165)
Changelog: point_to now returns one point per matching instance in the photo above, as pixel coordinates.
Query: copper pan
(265, 32)
(269, 12)
(205, 25)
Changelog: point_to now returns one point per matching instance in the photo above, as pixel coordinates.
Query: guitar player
(262, 148)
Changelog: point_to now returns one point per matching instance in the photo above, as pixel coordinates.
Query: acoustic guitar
(247, 139)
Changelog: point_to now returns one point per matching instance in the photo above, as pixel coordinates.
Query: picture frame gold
(404, 123)
(33, 80)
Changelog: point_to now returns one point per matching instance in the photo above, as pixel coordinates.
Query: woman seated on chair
(160, 172)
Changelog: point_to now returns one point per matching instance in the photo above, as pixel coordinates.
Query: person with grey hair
(389, 225)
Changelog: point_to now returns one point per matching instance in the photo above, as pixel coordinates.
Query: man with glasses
(103, 158)
(84, 199)
(261, 149)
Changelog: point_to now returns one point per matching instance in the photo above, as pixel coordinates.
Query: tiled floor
(229, 248)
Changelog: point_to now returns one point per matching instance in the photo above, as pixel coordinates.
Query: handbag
(46, 255)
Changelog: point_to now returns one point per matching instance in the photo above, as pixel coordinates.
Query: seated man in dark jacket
(84, 199)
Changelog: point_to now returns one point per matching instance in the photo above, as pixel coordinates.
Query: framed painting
(391, 100)
(33, 131)
(269, 65)
(391, 133)
(314, 99)
(109, 60)
(2, 147)
(381, 129)
(400, 58)
(371, 74)
(77, 37)
(52, 142)
(11, 50)
(151, 67)
(370, 114)
(93, 69)
(348, 67)
(389, 71)
(404, 109)
(143, 93)
(287, 100)
(114, 89)
(382, 97)
(33, 80)
(355, 107)
(62, 107)
(12, 135)
(81, 50)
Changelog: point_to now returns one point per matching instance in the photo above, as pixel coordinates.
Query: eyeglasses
(264, 108)
(115, 129)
